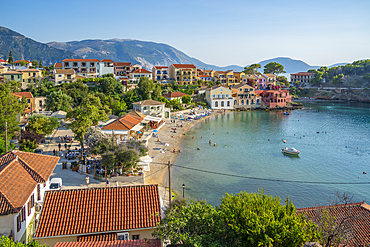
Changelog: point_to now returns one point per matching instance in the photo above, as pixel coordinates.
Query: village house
(102, 242)
(152, 108)
(352, 220)
(2, 61)
(58, 66)
(244, 95)
(30, 100)
(137, 74)
(122, 68)
(125, 127)
(183, 74)
(161, 74)
(303, 77)
(91, 214)
(225, 77)
(3, 69)
(270, 79)
(219, 97)
(206, 78)
(64, 76)
(174, 96)
(24, 178)
(19, 63)
(13, 76)
(275, 98)
(30, 76)
(90, 68)
(238, 77)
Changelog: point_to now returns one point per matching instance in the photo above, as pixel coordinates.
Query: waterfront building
(91, 214)
(275, 98)
(238, 77)
(183, 74)
(152, 108)
(219, 97)
(125, 126)
(249, 79)
(64, 76)
(303, 77)
(270, 79)
(244, 95)
(225, 77)
(161, 74)
(206, 78)
(174, 96)
(24, 178)
(90, 68)
(137, 74)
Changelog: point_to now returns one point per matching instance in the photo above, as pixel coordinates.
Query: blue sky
(215, 32)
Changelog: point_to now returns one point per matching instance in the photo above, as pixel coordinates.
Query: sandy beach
(159, 167)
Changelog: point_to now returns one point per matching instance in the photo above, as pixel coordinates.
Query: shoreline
(158, 168)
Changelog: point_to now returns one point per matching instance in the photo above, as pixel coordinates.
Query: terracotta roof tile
(65, 71)
(58, 65)
(27, 61)
(12, 73)
(137, 114)
(2, 61)
(303, 73)
(98, 237)
(148, 102)
(161, 67)
(20, 172)
(107, 60)
(183, 66)
(141, 71)
(125, 122)
(357, 215)
(174, 95)
(99, 210)
(29, 70)
(117, 243)
(23, 94)
(122, 64)
(80, 60)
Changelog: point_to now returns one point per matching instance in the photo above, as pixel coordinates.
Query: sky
(233, 32)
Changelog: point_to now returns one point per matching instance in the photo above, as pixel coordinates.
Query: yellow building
(3, 69)
(245, 95)
(219, 97)
(183, 74)
(226, 78)
(30, 76)
(238, 77)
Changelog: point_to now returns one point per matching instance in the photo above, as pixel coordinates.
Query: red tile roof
(58, 65)
(98, 237)
(148, 102)
(183, 66)
(356, 215)
(160, 67)
(141, 71)
(12, 73)
(107, 60)
(99, 210)
(29, 70)
(65, 71)
(204, 76)
(27, 61)
(20, 172)
(117, 243)
(174, 95)
(23, 94)
(303, 73)
(2, 61)
(125, 122)
(80, 60)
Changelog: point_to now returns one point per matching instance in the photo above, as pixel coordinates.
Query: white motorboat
(290, 151)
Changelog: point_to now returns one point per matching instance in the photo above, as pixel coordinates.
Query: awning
(146, 159)
(137, 127)
(145, 121)
(116, 132)
(145, 166)
(151, 118)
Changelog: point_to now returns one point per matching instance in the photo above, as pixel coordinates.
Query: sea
(333, 138)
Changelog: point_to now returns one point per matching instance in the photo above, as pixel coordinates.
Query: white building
(152, 108)
(91, 68)
(24, 178)
(219, 97)
(137, 74)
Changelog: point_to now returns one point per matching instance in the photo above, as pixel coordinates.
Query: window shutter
(18, 222)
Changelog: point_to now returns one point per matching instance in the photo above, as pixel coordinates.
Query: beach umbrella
(139, 132)
(155, 130)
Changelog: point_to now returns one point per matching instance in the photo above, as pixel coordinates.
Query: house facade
(30, 76)
(161, 74)
(124, 127)
(226, 78)
(245, 96)
(137, 74)
(30, 100)
(174, 96)
(152, 108)
(304, 77)
(24, 178)
(183, 74)
(275, 98)
(64, 76)
(122, 68)
(3, 69)
(113, 213)
(219, 97)
(90, 68)
(206, 78)
(13, 76)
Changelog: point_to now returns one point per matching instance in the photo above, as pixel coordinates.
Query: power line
(267, 179)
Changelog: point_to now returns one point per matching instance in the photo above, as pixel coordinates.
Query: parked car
(39, 150)
(56, 184)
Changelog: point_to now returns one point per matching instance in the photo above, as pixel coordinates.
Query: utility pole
(169, 184)
(6, 137)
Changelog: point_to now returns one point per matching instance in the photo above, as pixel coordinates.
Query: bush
(28, 146)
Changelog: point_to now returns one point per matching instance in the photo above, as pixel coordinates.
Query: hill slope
(148, 54)
(26, 48)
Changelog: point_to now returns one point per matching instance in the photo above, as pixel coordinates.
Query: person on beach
(107, 182)
(209, 141)
(87, 179)
(214, 145)
(117, 184)
(178, 151)
(60, 146)
(54, 152)
(65, 146)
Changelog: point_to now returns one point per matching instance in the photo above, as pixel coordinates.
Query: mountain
(290, 65)
(148, 54)
(26, 48)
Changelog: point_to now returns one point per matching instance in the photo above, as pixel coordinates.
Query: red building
(274, 98)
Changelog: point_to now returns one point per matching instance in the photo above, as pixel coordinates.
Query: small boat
(286, 113)
(290, 151)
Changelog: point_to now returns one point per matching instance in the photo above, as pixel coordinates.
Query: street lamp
(183, 190)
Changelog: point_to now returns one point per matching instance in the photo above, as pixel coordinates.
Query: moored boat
(291, 151)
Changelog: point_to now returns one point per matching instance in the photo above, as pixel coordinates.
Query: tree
(28, 146)
(274, 68)
(243, 219)
(145, 87)
(11, 146)
(252, 69)
(283, 81)
(58, 100)
(10, 58)
(23, 63)
(35, 63)
(157, 92)
(186, 99)
(83, 117)
(40, 64)
(41, 124)
(10, 108)
(111, 86)
(8, 242)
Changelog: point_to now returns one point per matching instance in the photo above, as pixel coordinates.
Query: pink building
(274, 98)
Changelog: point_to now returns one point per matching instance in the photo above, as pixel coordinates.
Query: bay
(333, 139)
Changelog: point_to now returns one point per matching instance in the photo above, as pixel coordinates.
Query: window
(228, 103)
(68, 76)
(227, 96)
(144, 108)
(135, 237)
(28, 101)
(59, 75)
(216, 104)
(19, 224)
(23, 214)
(123, 236)
(222, 104)
(29, 208)
(32, 200)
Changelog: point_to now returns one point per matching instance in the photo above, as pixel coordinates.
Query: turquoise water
(249, 145)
